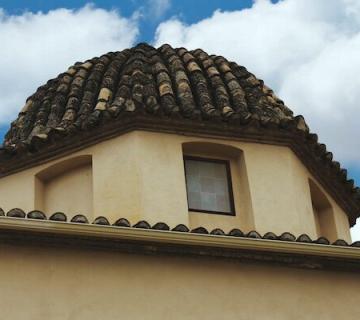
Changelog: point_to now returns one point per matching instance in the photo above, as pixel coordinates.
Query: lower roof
(34, 229)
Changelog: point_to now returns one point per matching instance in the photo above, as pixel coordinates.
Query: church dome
(163, 82)
(163, 89)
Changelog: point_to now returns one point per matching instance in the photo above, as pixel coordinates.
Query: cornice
(149, 241)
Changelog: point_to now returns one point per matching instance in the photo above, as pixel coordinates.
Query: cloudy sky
(306, 50)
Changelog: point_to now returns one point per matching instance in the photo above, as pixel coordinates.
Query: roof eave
(149, 241)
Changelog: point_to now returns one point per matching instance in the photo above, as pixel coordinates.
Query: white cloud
(157, 8)
(307, 51)
(37, 46)
(355, 231)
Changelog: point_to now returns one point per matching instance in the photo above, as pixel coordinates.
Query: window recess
(209, 186)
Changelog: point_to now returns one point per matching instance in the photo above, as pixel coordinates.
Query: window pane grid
(208, 185)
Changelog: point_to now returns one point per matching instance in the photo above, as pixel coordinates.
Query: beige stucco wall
(58, 284)
(140, 175)
(57, 196)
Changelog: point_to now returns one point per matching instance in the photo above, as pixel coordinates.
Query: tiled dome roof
(164, 81)
(168, 90)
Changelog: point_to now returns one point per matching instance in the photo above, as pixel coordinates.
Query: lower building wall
(52, 283)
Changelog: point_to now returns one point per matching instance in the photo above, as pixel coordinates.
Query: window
(208, 185)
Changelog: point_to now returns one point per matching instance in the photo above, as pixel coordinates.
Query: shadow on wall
(323, 212)
(66, 186)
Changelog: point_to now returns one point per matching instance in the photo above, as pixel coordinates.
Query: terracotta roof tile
(201, 230)
(16, 213)
(270, 236)
(58, 216)
(181, 228)
(36, 214)
(79, 218)
(253, 234)
(236, 233)
(161, 226)
(122, 222)
(101, 221)
(304, 238)
(286, 236)
(142, 225)
(322, 240)
(218, 232)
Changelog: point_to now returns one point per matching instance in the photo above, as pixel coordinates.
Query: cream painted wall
(140, 175)
(18, 191)
(70, 192)
(57, 284)
(116, 177)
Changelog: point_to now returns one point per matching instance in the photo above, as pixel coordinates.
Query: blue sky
(196, 23)
(189, 10)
